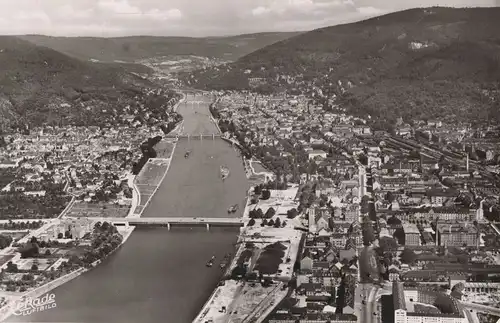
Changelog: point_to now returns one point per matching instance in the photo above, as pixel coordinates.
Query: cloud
(193, 17)
(124, 9)
(68, 12)
(369, 11)
(172, 14)
(259, 11)
(32, 16)
(119, 7)
(294, 7)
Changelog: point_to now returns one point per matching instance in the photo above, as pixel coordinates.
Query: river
(160, 275)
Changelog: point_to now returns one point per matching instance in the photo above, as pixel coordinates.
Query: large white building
(417, 305)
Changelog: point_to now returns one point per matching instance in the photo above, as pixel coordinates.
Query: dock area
(270, 251)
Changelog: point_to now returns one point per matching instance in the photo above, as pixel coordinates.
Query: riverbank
(12, 304)
(138, 214)
(244, 301)
(136, 197)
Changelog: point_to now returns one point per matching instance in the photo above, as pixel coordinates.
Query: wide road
(366, 301)
(363, 301)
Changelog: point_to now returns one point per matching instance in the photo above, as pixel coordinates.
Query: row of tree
(271, 223)
(259, 214)
(21, 225)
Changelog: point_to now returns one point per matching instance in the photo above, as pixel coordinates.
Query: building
(412, 235)
(420, 305)
(306, 264)
(479, 287)
(317, 153)
(457, 235)
(445, 214)
(351, 213)
(313, 318)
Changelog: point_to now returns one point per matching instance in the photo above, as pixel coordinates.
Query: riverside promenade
(136, 212)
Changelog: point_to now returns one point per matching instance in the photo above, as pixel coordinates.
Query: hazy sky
(193, 17)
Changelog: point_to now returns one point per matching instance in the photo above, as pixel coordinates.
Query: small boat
(233, 208)
(186, 155)
(210, 263)
(224, 172)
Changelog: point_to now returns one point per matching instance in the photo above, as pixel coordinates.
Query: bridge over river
(212, 136)
(170, 221)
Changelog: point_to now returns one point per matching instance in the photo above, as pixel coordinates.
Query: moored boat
(210, 263)
(224, 172)
(232, 208)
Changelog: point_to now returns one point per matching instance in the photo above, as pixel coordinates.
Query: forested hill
(41, 86)
(418, 63)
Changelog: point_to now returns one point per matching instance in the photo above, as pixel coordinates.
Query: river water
(160, 275)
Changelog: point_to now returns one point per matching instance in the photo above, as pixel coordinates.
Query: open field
(146, 189)
(144, 199)
(98, 210)
(164, 149)
(257, 166)
(152, 173)
(25, 264)
(16, 235)
(139, 209)
(248, 300)
(149, 179)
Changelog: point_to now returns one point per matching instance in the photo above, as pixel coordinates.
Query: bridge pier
(208, 227)
(168, 226)
(213, 136)
(201, 137)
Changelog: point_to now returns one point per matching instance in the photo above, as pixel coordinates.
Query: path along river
(160, 275)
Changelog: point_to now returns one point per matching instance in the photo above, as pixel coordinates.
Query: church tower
(480, 212)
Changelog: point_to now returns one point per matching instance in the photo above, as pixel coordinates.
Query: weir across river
(195, 137)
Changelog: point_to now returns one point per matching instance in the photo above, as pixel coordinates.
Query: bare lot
(164, 149)
(99, 210)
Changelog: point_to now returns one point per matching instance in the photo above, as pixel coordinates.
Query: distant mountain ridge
(417, 63)
(39, 85)
(134, 48)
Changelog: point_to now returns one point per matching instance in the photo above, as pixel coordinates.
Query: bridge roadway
(168, 221)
